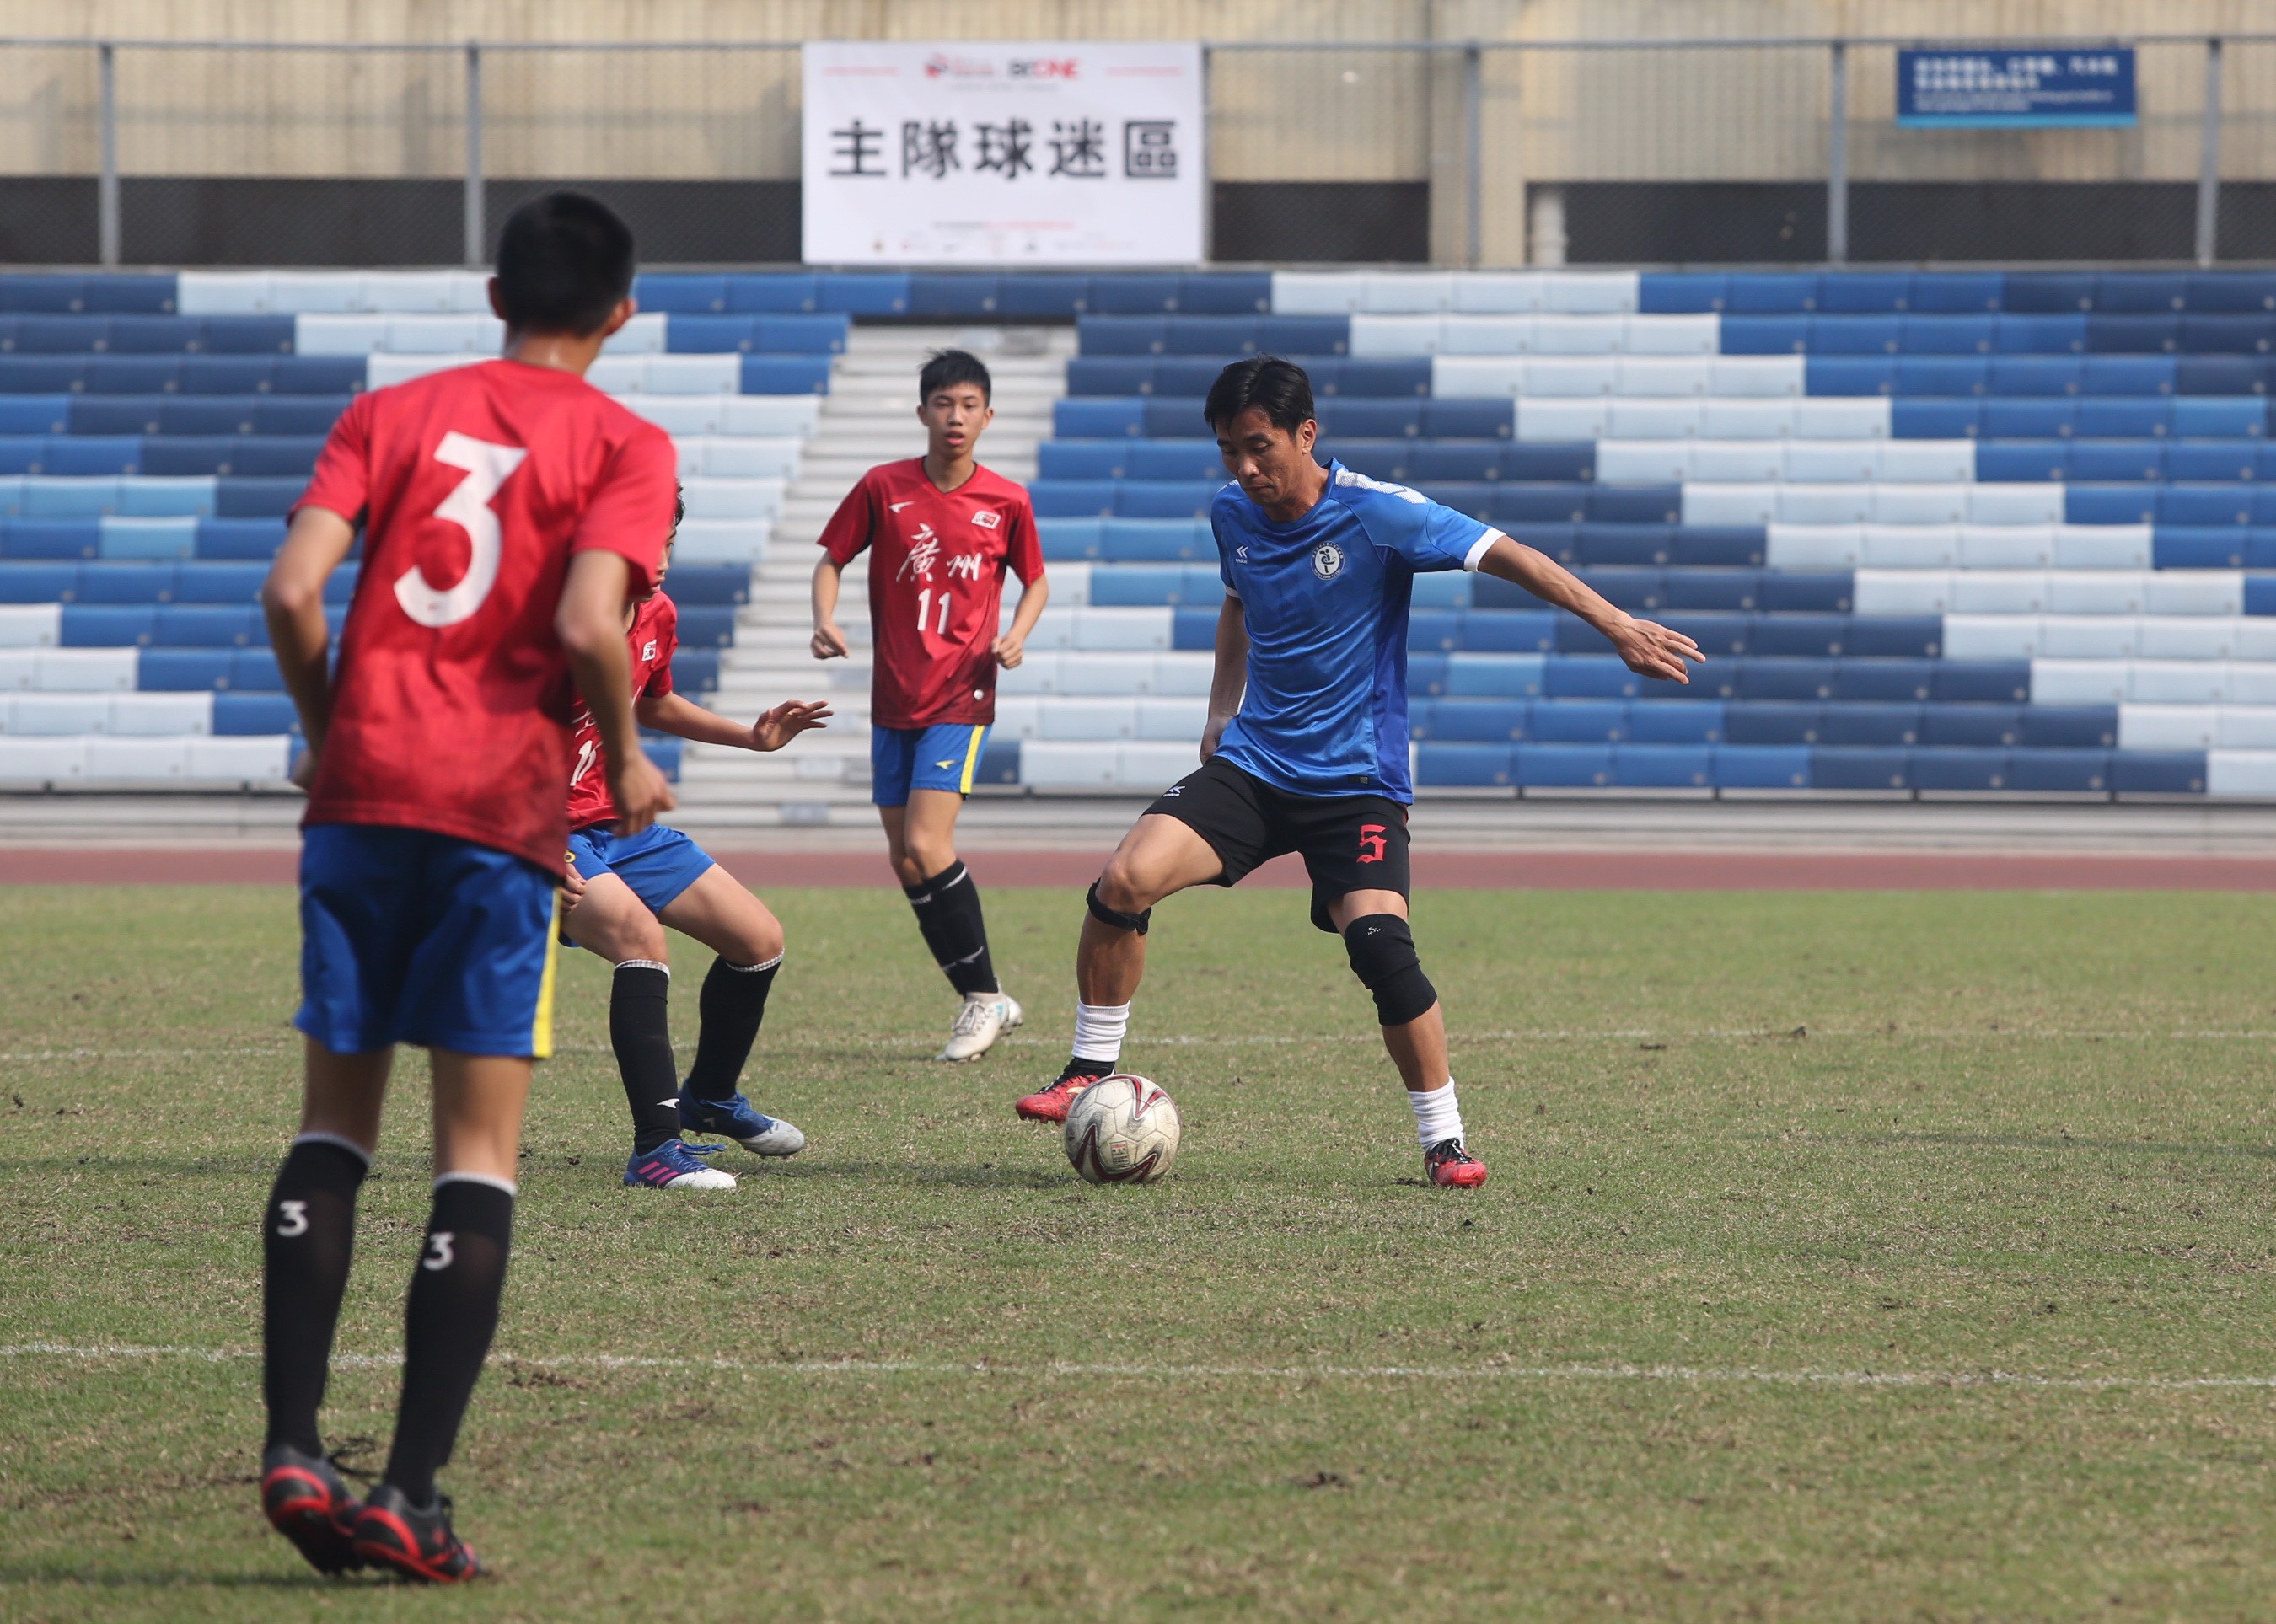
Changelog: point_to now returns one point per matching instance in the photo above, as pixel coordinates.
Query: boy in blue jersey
(1305, 749)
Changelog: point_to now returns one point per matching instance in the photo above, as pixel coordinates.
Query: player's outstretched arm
(828, 641)
(1230, 680)
(1648, 648)
(590, 623)
(1011, 647)
(292, 603)
(681, 717)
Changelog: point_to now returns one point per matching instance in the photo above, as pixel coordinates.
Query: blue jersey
(1325, 600)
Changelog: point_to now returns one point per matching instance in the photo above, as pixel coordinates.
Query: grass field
(1846, 1256)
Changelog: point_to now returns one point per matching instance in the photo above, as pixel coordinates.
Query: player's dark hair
(944, 369)
(1265, 383)
(679, 506)
(564, 260)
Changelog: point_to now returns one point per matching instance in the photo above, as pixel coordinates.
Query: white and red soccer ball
(1122, 1130)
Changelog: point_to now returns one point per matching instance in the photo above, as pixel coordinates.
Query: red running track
(1545, 870)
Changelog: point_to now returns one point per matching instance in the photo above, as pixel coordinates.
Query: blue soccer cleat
(738, 1119)
(675, 1165)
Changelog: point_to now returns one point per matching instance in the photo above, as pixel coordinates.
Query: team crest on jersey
(1327, 560)
(988, 519)
(647, 649)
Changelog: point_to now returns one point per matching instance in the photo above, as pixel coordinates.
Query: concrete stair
(870, 417)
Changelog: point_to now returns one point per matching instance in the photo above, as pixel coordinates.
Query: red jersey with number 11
(937, 564)
(654, 635)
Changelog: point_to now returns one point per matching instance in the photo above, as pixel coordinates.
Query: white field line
(1680, 1374)
(1637, 1034)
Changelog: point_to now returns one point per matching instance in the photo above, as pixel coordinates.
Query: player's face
(1270, 464)
(662, 569)
(953, 418)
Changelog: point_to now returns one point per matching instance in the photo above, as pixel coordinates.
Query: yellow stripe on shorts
(971, 760)
(540, 1034)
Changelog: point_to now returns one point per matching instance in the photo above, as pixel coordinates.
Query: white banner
(991, 153)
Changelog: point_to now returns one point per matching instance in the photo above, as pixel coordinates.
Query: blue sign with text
(2016, 89)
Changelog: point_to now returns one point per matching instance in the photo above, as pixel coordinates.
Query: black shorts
(1349, 842)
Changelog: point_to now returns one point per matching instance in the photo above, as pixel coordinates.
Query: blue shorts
(658, 864)
(408, 936)
(942, 757)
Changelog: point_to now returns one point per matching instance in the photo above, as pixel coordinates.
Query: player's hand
(829, 642)
(1213, 734)
(640, 792)
(304, 770)
(571, 889)
(787, 721)
(1009, 652)
(1650, 649)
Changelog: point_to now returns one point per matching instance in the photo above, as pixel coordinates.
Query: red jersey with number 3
(937, 564)
(473, 486)
(655, 634)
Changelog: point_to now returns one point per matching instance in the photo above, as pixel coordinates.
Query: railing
(1473, 152)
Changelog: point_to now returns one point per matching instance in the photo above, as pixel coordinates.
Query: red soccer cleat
(304, 1499)
(1452, 1168)
(414, 1542)
(1051, 1105)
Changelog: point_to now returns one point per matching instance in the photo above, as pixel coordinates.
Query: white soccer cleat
(677, 1164)
(1014, 1015)
(978, 1025)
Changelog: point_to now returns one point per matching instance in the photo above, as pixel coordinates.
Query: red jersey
(474, 485)
(655, 633)
(936, 563)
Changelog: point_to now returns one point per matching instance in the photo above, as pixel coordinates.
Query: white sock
(1437, 1116)
(1098, 1029)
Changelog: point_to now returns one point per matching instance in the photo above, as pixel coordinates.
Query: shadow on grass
(171, 1578)
(2040, 1142)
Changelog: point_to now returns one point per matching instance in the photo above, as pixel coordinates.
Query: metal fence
(1447, 152)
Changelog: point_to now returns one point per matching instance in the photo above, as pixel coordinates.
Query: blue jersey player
(1305, 751)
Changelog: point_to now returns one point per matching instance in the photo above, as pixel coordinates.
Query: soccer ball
(1122, 1130)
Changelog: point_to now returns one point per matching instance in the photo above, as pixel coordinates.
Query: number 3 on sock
(438, 1251)
(292, 1219)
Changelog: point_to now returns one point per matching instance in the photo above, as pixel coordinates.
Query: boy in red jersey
(940, 531)
(509, 511)
(625, 888)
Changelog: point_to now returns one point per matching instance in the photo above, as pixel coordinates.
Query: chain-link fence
(1443, 152)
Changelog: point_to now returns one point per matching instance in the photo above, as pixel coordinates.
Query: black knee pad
(1120, 921)
(1382, 949)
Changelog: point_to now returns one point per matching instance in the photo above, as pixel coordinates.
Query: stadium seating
(1940, 532)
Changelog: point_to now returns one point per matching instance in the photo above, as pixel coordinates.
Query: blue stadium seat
(860, 293)
(109, 625)
(1681, 292)
(44, 540)
(1762, 767)
(256, 714)
(1859, 767)
(1651, 722)
(1772, 293)
(1464, 766)
(1138, 294)
(1869, 723)
(793, 293)
(1957, 769)
(1563, 767)
(682, 293)
(999, 762)
(1224, 292)
(1663, 766)
(2157, 772)
(2049, 292)
(241, 496)
(1979, 727)
(1047, 296)
(1989, 682)
(2133, 334)
(1958, 292)
(2066, 727)
(786, 375)
(1473, 720)
(1075, 418)
(173, 670)
(953, 296)
(2059, 771)
(1772, 722)
(239, 538)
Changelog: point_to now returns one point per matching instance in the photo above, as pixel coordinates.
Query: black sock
(640, 1030)
(734, 1002)
(929, 913)
(452, 1312)
(307, 1235)
(958, 935)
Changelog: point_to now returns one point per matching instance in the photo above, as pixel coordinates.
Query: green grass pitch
(1846, 1256)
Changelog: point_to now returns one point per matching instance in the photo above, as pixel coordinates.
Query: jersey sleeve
(342, 482)
(1023, 548)
(667, 645)
(630, 510)
(1427, 536)
(849, 528)
(1226, 534)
